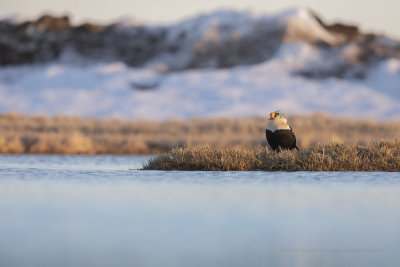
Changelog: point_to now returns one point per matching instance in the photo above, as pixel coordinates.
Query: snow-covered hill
(226, 63)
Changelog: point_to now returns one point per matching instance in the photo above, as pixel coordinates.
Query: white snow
(386, 77)
(117, 90)
(105, 90)
(301, 25)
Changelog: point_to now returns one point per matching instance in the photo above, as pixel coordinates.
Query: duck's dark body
(281, 139)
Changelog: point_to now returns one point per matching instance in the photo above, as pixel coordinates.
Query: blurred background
(144, 71)
(142, 77)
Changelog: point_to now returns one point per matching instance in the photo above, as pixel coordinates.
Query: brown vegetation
(69, 135)
(382, 156)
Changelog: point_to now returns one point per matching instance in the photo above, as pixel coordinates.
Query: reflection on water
(100, 211)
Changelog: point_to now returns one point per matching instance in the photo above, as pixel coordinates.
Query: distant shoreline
(20, 134)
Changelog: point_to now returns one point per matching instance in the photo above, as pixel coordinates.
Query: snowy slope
(105, 90)
(305, 68)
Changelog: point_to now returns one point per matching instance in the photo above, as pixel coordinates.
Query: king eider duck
(279, 134)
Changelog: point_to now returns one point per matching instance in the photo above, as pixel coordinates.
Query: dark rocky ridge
(195, 43)
(48, 37)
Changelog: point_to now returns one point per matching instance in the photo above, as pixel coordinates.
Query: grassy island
(381, 156)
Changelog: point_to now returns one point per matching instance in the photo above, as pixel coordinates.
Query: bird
(278, 132)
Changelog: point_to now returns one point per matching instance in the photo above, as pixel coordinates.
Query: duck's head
(277, 115)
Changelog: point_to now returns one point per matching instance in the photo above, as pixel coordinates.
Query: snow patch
(105, 90)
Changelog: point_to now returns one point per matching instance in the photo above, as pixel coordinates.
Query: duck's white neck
(277, 124)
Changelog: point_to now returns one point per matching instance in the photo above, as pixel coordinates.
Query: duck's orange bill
(272, 116)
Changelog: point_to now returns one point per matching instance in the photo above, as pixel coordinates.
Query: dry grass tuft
(381, 156)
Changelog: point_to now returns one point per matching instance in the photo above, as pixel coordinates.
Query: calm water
(101, 211)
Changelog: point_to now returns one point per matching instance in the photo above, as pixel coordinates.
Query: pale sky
(371, 15)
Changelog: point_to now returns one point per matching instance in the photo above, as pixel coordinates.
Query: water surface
(102, 211)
